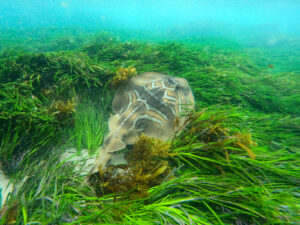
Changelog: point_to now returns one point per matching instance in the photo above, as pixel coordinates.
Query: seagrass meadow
(235, 162)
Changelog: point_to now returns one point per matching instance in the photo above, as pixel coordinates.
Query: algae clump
(148, 166)
(123, 74)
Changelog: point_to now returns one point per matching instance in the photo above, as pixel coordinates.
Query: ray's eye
(170, 81)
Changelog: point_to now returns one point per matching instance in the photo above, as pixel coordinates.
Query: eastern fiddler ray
(149, 103)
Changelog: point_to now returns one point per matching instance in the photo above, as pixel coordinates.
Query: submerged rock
(5, 188)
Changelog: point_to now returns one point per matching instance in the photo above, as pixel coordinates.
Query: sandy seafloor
(83, 161)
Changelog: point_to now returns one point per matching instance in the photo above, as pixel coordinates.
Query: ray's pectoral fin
(115, 145)
(106, 153)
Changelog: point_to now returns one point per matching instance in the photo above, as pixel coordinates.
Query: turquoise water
(229, 17)
(266, 24)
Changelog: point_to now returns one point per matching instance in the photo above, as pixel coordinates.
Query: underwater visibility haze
(216, 141)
